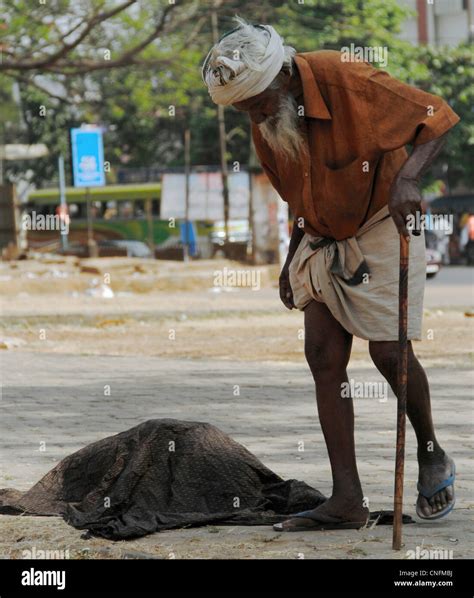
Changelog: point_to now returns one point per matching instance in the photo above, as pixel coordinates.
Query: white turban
(243, 82)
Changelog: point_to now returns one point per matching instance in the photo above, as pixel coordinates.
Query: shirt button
(306, 174)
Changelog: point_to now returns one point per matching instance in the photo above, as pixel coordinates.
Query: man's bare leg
(434, 464)
(327, 349)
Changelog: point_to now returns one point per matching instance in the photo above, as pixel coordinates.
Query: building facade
(439, 22)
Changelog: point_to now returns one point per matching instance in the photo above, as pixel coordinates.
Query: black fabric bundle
(159, 475)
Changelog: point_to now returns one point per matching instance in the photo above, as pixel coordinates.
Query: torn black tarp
(162, 474)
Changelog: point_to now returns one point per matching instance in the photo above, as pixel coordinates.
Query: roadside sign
(87, 157)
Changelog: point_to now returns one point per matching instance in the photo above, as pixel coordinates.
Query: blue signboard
(87, 157)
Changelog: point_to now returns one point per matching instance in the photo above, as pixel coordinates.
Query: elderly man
(330, 133)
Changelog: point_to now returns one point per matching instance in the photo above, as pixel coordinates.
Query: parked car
(433, 262)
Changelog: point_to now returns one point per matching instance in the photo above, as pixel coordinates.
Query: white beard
(282, 132)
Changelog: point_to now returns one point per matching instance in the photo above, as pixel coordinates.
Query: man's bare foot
(335, 511)
(434, 471)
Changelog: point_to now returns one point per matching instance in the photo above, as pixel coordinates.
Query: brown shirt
(357, 120)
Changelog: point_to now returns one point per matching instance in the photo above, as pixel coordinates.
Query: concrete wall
(447, 22)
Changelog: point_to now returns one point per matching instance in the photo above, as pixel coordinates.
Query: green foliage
(134, 103)
(449, 73)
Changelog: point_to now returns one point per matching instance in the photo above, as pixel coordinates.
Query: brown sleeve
(400, 114)
(266, 159)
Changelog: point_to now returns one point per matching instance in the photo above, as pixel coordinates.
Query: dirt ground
(165, 325)
(167, 309)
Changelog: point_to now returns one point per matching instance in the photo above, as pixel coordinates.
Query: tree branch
(65, 47)
(33, 83)
(126, 59)
(61, 38)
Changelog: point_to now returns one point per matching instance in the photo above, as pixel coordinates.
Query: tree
(56, 54)
(146, 103)
(87, 36)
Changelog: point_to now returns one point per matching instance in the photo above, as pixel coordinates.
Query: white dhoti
(357, 279)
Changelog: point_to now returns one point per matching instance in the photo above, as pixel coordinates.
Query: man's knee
(323, 359)
(327, 346)
(385, 356)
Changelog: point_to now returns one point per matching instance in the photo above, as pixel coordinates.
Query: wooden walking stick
(402, 375)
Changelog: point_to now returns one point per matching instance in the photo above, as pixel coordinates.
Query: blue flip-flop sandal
(430, 493)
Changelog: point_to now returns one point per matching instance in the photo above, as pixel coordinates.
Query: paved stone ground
(59, 400)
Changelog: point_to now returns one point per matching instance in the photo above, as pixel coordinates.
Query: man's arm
(405, 196)
(398, 115)
(296, 235)
(286, 294)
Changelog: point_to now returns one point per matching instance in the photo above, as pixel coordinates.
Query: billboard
(205, 196)
(269, 214)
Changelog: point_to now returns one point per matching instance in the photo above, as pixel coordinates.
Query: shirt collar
(314, 105)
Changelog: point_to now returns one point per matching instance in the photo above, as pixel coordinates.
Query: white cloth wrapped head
(241, 76)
